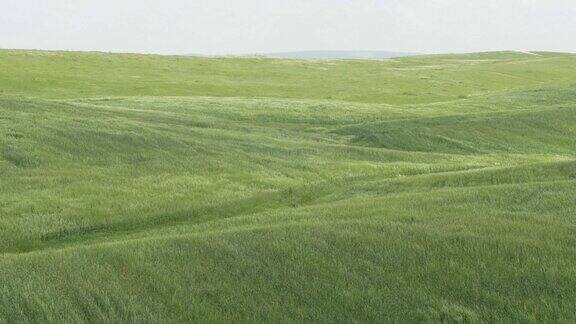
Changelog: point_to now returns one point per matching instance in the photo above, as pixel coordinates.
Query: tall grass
(224, 190)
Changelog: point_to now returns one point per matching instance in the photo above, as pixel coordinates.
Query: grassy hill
(337, 55)
(152, 188)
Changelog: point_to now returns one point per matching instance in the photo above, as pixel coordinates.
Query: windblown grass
(147, 188)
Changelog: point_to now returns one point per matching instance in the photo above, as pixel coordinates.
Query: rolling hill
(148, 188)
(337, 55)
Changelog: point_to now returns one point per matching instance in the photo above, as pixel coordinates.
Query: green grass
(173, 189)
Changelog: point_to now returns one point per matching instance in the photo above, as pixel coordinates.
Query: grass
(150, 188)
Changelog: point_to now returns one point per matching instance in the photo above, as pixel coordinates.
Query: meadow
(143, 188)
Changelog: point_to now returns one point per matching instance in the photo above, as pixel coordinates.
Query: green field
(174, 189)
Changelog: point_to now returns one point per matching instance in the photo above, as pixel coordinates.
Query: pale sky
(258, 26)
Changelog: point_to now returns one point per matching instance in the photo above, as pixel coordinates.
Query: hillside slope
(149, 188)
(336, 55)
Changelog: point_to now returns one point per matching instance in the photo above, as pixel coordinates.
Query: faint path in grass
(311, 196)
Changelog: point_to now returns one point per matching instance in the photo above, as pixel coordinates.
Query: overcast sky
(256, 26)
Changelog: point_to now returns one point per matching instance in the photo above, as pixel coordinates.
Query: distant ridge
(336, 55)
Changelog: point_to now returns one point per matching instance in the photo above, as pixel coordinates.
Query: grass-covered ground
(150, 188)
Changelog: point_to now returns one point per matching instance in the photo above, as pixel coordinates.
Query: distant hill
(336, 55)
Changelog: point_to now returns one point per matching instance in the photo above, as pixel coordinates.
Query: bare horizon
(226, 27)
